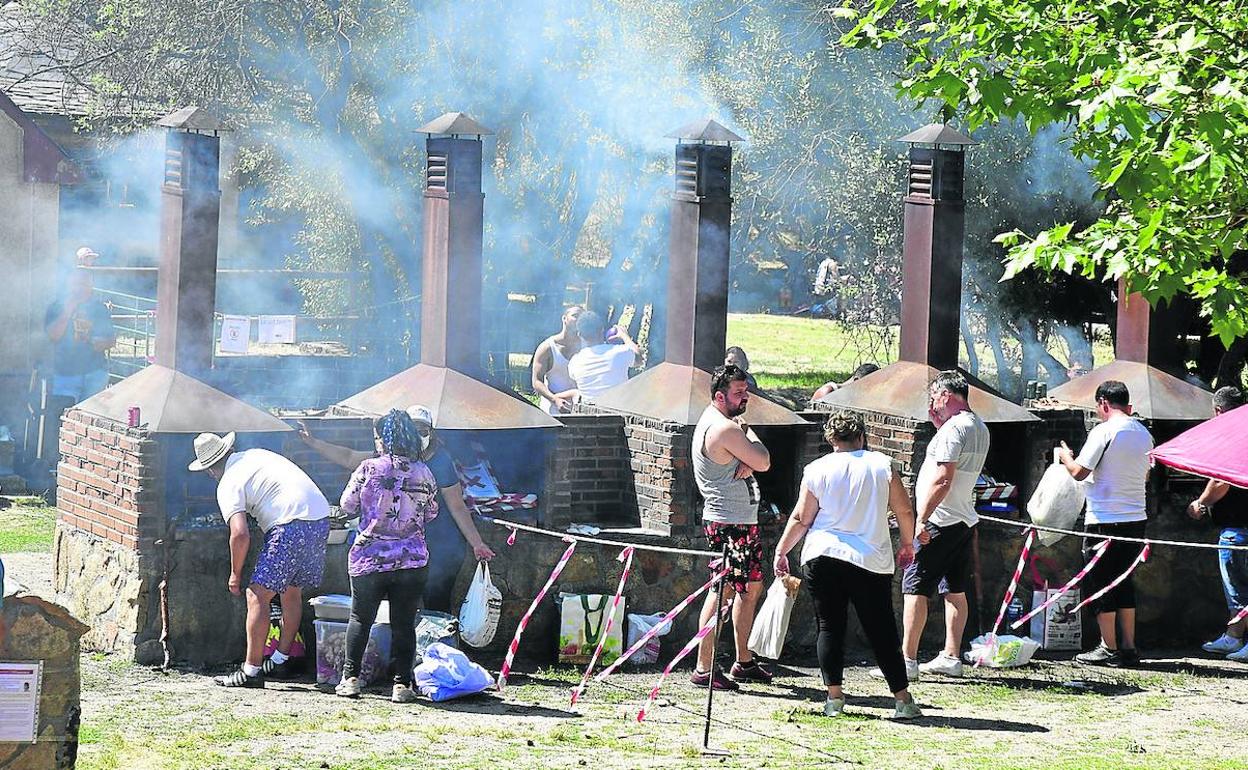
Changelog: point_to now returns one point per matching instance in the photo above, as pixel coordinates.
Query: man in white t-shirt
(945, 497)
(1116, 457)
(294, 516)
(601, 364)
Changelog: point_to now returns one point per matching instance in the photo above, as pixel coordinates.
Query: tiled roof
(32, 78)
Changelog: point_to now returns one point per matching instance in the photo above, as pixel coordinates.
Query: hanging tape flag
(524, 621)
(654, 631)
(1099, 549)
(511, 539)
(625, 556)
(1140, 559)
(698, 637)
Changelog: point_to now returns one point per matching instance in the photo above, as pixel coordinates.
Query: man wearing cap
(294, 517)
(86, 257)
(81, 331)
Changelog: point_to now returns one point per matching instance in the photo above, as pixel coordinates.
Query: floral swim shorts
(745, 552)
(293, 554)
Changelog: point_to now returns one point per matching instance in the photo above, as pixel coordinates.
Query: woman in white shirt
(842, 509)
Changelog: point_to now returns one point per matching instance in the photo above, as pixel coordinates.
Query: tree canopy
(1154, 95)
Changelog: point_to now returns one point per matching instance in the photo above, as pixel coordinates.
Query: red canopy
(1215, 449)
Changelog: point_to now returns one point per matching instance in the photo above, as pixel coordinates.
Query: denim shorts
(1234, 568)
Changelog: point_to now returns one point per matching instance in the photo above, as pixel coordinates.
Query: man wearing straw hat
(294, 516)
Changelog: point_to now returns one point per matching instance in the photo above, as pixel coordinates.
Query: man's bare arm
(542, 361)
(744, 445)
(935, 492)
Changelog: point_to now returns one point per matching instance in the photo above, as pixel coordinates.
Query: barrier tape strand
(689, 646)
(515, 525)
(524, 621)
(1139, 559)
(1099, 551)
(625, 556)
(1121, 538)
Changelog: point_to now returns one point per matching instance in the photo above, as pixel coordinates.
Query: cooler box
(331, 652)
(331, 607)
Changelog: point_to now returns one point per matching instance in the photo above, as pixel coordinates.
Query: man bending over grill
(294, 516)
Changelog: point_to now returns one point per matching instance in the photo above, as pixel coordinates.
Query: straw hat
(209, 449)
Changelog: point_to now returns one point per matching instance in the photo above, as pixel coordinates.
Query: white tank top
(557, 377)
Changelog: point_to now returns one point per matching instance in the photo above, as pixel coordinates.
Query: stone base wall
(109, 586)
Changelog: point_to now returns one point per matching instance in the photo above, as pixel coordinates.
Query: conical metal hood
(900, 389)
(1154, 394)
(679, 394)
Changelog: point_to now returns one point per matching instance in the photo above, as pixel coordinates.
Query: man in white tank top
(551, 380)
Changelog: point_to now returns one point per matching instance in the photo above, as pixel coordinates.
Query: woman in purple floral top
(395, 497)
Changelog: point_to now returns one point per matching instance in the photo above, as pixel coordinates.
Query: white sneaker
(943, 664)
(912, 671)
(1224, 644)
(349, 687)
(403, 694)
(1241, 656)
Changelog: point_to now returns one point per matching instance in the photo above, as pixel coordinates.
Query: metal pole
(719, 621)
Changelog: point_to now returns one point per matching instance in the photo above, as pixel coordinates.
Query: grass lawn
(26, 528)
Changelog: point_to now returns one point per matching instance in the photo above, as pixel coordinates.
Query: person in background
(827, 387)
(601, 364)
(842, 512)
(1116, 457)
(735, 356)
(945, 497)
(447, 537)
(86, 257)
(726, 454)
(81, 331)
(1227, 507)
(550, 378)
(294, 517)
(395, 496)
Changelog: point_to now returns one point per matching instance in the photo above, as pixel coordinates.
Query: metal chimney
(450, 315)
(933, 227)
(190, 215)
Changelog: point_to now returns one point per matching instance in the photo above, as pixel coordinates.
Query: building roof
(35, 79)
(43, 160)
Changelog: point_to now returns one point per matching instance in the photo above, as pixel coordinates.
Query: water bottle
(1014, 611)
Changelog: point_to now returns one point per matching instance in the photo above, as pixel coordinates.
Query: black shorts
(947, 555)
(1117, 560)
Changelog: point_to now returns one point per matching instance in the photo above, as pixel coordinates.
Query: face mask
(424, 442)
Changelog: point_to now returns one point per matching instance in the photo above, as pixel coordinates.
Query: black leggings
(834, 584)
(403, 588)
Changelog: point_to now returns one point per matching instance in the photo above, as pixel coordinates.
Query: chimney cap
(938, 134)
(454, 123)
(192, 118)
(705, 130)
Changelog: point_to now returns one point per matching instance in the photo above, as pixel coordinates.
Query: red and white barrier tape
(1238, 616)
(625, 556)
(1100, 549)
(1119, 538)
(1140, 559)
(692, 643)
(653, 632)
(524, 621)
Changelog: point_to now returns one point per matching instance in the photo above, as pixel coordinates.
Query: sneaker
(349, 687)
(912, 671)
(240, 679)
(907, 710)
(1224, 644)
(1127, 658)
(945, 665)
(403, 694)
(1240, 656)
(750, 672)
(271, 670)
(834, 707)
(1099, 656)
(715, 678)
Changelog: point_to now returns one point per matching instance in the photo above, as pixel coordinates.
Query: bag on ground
(482, 607)
(1057, 501)
(1004, 651)
(446, 673)
(771, 626)
(1057, 628)
(582, 622)
(638, 625)
(434, 627)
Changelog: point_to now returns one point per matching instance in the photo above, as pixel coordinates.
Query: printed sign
(19, 701)
(235, 333)
(277, 328)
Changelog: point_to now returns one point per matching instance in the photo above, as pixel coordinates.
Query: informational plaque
(19, 701)
(235, 333)
(277, 328)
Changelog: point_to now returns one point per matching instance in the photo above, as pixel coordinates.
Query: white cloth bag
(482, 607)
(771, 627)
(1057, 501)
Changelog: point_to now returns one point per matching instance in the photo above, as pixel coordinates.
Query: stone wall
(38, 630)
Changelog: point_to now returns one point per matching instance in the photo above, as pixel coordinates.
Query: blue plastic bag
(446, 673)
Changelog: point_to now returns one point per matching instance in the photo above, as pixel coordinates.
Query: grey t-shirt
(962, 440)
(726, 499)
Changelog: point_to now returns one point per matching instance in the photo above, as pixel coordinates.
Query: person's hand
(781, 565)
(924, 537)
(1193, 510)
(743, 471)
(905, 554)
(564, 405)
(235, 584)
(1064, 454)
(482, 551)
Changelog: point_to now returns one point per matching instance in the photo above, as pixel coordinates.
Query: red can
(132, 417)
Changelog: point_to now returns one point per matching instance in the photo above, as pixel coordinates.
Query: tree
(1154, 95)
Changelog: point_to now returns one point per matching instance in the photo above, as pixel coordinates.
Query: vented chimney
(450, 316)
(933, 225)
(1147, 335)
(190, 214)
(701, 223)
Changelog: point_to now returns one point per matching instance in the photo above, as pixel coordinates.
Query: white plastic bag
(638, 625)
(1057, 501)
(446, 673)
(479, 614)
(771, 626)
(1005, 651)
